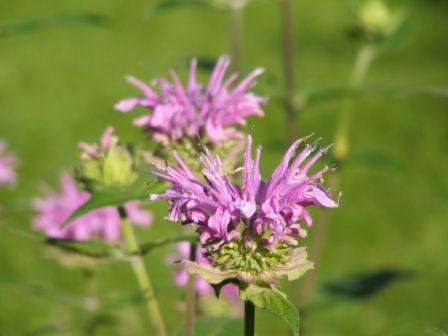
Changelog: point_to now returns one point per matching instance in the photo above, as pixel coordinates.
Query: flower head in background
(251, 230)
(106, 164)
(211, 111)
(104, 223)
(7, 163)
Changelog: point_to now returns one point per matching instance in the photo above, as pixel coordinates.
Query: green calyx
(116, 167)
(254, 258)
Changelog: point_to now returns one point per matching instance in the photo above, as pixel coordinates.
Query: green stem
(291, 106)
(236, 28)
(141, 274)
(361, 65)
(363, 60)
(249, 318)
(190, 309)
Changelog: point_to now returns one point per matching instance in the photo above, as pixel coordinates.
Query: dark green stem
(236, 29)
(190, 310)
(249, 318)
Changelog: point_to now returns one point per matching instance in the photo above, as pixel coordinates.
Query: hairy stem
(141, 274)
(291, 106)
(249, 318)
(190, 309)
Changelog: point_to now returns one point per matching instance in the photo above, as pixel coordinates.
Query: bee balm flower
(251, 231)
(104, 223)
(211, 110)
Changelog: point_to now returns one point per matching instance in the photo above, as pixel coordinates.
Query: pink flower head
(103, 223)
(7, 163)
(179, 111)
(203, 288)
(273, 211)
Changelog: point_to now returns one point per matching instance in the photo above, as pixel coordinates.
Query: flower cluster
(210, 111)
(253, 227)
(104, 223)
(7, 163)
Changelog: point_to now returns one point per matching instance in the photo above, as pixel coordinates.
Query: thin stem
(249, 318)
(236, 32)
(291, 106)
(361, 65)
(141, 274)
(190, 309)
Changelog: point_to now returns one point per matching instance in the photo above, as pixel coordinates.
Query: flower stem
(141, 274)
(361, 65)
(249, 318)
(190, 309)
(236, 28)
(291, 106)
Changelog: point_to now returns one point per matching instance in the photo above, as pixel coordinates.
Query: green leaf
(114, 197)
(89, 248)
(32, 25)
(146, 248)
(210, 274)
(273, 301)
(167, 5)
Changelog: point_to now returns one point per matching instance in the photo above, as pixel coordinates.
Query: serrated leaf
(210, 274)
(32, 25)
(114, 197)
(272, 300)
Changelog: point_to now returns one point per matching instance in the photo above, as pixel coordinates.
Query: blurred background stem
(291, 105)
(141, 274)
(363, 60)
(236, 32)
(190, 301)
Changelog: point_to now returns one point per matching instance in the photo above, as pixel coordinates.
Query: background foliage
(383, 270)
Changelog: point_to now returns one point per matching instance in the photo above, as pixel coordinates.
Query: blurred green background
(58, 84)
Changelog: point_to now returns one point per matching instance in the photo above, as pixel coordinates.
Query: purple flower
(273, 210)
(210, 110)
(7, 163)
(104, 223)
(203, 288)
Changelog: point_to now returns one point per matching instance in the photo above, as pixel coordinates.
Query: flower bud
(374, 16)
(106, 164)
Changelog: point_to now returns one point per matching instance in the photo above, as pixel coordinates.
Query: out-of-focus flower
(376, 21)
(211, 110)
(250, 230)
(203, 288)
(7, 162)
(104, 223)
(106, 164)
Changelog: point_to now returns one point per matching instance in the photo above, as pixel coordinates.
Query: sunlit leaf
(36, 24)
(273, 301)
(115, 197)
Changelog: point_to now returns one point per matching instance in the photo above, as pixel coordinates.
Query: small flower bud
(107, 164)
